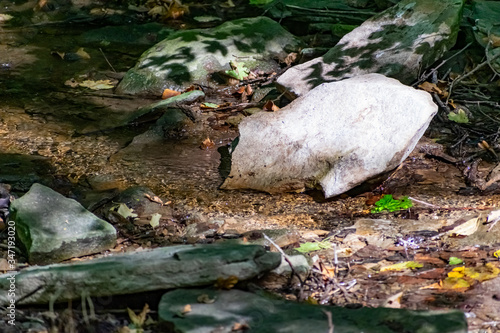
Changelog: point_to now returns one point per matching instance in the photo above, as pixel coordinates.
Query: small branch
(426, 76)
(331, 327)
(105, 58)
(284, 257)
(461, 78)
(423, 203)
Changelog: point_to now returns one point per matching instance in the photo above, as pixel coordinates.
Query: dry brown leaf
(72, 83)
(249, 90)
(153, 198)
(41, 4)
(207, 144)
(270, 106)
(494, 40)
(57, 53)
(227, 4)
(176, 10)
(167, 93)
(240, 327)
(186, 309)
(393, 301)
(205, 299)
(433, 88)
(291, 58)
(467, 228)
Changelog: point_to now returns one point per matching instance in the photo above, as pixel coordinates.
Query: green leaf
(455, 261)
(310, 247)
(155, 220)
(211, 105)
(459, 117)
(401, 266)
(238, 71)
(126, 212)
(388, 203)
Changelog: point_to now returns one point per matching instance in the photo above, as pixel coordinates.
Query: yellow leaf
(138, 320)
(97, 85)
(482, 273)
(312, 300)
(82, 53)
(497, 253)
(455, 274)
(228, 283)
(459, 284)
(126, 212)
(5, 17)
(402, 266)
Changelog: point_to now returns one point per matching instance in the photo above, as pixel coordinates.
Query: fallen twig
(432, 71)
(284, 257)
(462, 77)
(331, 327)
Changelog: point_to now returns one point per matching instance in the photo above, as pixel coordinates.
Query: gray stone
(188, 57)
(398, 43)
(299, 263)
(485, 16)
(185, 98)
(336, 137)
(219, 311)
(162, 268)
(51, 227)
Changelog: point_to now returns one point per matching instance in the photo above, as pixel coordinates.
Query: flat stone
(219, 311)
(334, 138)
(52, 228)
(399, 43)
(158, 269)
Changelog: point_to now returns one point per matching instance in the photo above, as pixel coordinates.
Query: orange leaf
(167, 93)
(433, 88)
(207, 144)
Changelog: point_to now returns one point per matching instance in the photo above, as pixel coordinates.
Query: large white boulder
(335, 137)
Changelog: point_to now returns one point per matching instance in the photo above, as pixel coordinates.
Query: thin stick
(423, 203)
(105, 58)
(478, 67)
(284, 257)
(426, 76)
(331, 327)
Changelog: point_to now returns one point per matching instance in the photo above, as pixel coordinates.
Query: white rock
(337, 136)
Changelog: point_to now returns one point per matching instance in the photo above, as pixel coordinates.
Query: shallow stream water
(65, 137)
